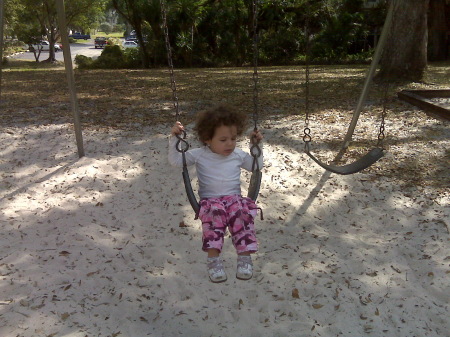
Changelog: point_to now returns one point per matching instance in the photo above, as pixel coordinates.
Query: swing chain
(182, 145)
(255, 150)
(307, 131)
(255, 64)
(381, 134)
(173, 84)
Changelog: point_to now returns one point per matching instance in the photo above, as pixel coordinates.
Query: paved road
(85, 48)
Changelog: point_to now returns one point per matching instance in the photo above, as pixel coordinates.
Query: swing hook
(182, 145)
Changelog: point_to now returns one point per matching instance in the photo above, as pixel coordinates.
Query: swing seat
(362, 163)
(189, 191)
(255, 184)
(253, 189)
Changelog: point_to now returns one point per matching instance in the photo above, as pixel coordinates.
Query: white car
(45, 45)
(130, 44)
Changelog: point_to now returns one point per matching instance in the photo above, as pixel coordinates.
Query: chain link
(255, 150)
(182, 145)
(307, 131)
(173, 84)
(255, 64)
(381, 134)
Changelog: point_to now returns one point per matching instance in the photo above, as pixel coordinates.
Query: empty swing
(182, 145)
(377, 152)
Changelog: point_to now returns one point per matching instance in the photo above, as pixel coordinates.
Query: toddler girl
(218, 165)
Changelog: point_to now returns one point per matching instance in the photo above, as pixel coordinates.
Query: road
(85, 48)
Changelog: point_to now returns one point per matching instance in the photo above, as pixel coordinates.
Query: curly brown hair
(209, 120)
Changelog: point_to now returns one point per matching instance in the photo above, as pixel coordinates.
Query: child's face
(224, 140)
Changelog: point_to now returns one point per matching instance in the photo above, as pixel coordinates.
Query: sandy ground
(107, 245)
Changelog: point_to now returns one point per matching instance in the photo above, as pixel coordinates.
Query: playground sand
(107, 245)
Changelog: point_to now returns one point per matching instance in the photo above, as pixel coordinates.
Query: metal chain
(307, 131)
(173, 84)
(255, 64)
(182, 145)
(255, 150)
(381, 134)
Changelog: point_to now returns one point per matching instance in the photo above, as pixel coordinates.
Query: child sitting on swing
(218, 165)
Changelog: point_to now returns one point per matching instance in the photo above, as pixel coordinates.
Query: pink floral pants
(235, 212)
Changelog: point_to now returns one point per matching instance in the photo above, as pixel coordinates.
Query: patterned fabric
(234, 212)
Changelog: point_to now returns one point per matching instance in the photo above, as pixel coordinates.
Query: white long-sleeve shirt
(218, 175)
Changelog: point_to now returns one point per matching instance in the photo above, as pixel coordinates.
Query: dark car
(79, 36)
(100, 42)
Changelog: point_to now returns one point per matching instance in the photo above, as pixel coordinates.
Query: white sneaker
(215, 270)
(244, 267)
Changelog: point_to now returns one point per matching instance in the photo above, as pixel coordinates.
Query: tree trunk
(405, 53)
(142, 47)
(437, 28)
(52, 40)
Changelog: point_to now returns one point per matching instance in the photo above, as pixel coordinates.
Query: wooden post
(369, 77)
(70, 76)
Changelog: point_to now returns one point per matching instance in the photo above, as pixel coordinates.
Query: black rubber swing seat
(253, 189)
(362, 163)
(255, 184)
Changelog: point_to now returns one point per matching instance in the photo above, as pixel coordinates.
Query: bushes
(281, 46)
(13, 46)
(83, 62)
(133, 57)
(335, 40)
(112, 57)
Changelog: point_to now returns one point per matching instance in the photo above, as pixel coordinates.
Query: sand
(107, 245)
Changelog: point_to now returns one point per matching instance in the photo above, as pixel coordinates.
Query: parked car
(130, 44)
(44, 46)
(100, 42)
(79, 36)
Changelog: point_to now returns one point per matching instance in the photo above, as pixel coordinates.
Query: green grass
(31, 65)
(116, 35)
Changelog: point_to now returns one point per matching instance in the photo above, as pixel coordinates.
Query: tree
(405, 52)
(11, 14)
(437, 31)
(40, 17)
(188, 14)
(106, 28)
(132, 11)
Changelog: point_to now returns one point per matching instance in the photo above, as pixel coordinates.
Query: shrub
(112, 57)
(281, 46)
(84, 62)
(133, 57)
(13, 46)
(113, 41)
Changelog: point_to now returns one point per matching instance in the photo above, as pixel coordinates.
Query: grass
(116, 35)
(145, 95)
(37, 93)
